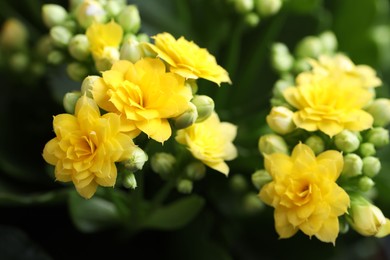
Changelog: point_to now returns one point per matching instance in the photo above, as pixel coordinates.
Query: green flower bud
(309, 46)
(252, 19)
(243, 6)
(343, 226)
(74, 4)
(300, 65)
(69, 101)
(364, 217)
(136, 161)
(378, 136)
(90, 11)
(195, 171)
(353, 165)
(365, 183)
(260, 178)
(280, 120)
(204, 105)
(329, 41)
(109, 56)
(191, 83)
(71, 25)
(279, 87)
(272, 143)
(87, 85)
(163, 164)
(347, 141)
(130, 19)
(238, 183)
(371, 166)
(77, 71)
(19, 62)
(281, 59)
(143, 37)
(60, 36)
(79, 47)
(14, 34)
(268, 7)
(53, 15)
(367, 149)
(55, 57)
(43, 47)
(113, 8)
(129, 181)
(316, 143)
(184, 186)
(380, 110)
(131, 50)
(186, 119)
(252, 203)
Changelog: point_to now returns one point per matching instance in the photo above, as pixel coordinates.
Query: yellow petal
(329, 230)
(87, 191)
(157, 129)
(49, 151)
(282, 226)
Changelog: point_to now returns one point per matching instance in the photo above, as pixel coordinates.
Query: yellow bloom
(104, 39)
(322, 105)
(304, 192)
(145, 96)
(187, 59)
(210, 141)
(342, 71)
(86, 147)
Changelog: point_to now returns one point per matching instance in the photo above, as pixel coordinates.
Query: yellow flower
(104, 40)
(187, 59)
(210, 141)
(304, 192)
(145, 96)
(86, 147)
(322, 105)
(342, 71)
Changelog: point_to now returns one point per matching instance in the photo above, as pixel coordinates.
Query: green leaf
(95, 214)
(176, 214)
(19, 199)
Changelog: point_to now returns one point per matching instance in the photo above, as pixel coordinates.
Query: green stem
(163, 193)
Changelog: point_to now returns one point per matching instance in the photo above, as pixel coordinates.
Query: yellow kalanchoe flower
(210, 141)
(104, 40)
(187, 59)
(304, 192)
(145, 96)
(342, 71)
(322, 105)
(86, 147)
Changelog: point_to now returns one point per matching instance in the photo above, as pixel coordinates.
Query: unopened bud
(280, 120)
(301, 65)
(380, 110)
(195, 171)
(260, 178)
(130, 19)
(279, 87)
(191, 83)
(310, 46)
(77, 71)
(281, 59)
(163, 164)
(113, 8)
(87, 85)
(378, 136)
(353, 165)
(271, 143)
(184, 186)
(53, 15)
(329, 41)
(131, 50)
(90, 11)
(367, 149)
(79, 47)
(365, 183)
(13, 34)
(204, 105)
(371, 166)
(243, 6)
(316, 143)
(268, 7)
(187, 118)
(60, 36)
(129, 181)
(43, 47)
(252, 19)
(252, 203)
(19, 62)
(238, 183)
(137, 160)
(55, 57)
(347, 141)
(69, 101)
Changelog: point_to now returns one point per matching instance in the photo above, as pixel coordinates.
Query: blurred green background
(35, 211)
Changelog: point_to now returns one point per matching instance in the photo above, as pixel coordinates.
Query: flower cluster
(320, 160)
(153, 95)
